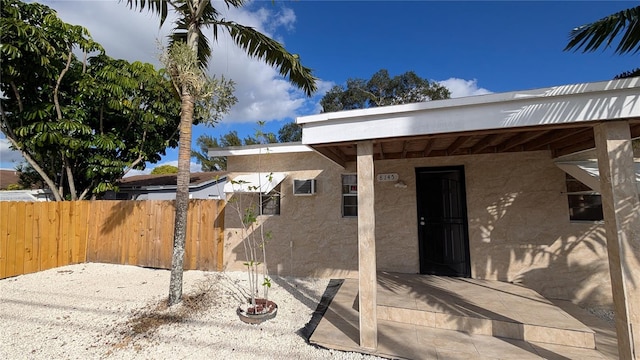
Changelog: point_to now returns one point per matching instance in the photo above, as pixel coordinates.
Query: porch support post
(621, 208)
(366, 248)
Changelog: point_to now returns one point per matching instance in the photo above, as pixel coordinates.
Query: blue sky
(473, 47)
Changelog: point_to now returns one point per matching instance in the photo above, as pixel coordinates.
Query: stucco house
(202, 185)
(535, 187)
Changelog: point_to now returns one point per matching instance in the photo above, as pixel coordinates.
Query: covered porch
(431, 317)
(563, 120)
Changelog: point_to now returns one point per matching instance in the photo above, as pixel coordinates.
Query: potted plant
(248, 203)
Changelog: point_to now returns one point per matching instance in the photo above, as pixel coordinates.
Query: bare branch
(55, 91)
(70, 179)
(38, 169)
(17, 94)
(140, 156)
(86, 191)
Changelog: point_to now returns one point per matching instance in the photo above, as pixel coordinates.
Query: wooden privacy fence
(36, 236)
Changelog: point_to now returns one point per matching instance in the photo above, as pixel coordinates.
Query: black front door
(442, 221)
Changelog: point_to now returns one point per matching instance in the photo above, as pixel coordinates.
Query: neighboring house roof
(168, 181)
(8, 177)
(26, 195)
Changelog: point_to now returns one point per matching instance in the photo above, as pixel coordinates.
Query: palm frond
(592, 36)
(260, 46)
(628, 74)
(159, 7)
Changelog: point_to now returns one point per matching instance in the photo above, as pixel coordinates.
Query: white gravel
(87, 311)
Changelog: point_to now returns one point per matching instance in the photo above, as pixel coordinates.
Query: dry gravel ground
(102, 311)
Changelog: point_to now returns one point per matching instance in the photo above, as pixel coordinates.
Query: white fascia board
(278, 148)
(616, 99)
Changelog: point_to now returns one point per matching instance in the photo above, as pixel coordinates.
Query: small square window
(349, 195)
(584, 203)
(270, 203)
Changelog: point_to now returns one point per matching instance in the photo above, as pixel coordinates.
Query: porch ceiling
(559, 139)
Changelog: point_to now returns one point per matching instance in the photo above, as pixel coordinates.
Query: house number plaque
(387, 177)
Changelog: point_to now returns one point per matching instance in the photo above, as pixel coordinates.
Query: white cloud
(462, 87)
(8, 158)
(263, 95)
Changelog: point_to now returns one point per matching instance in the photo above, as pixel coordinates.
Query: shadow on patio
(431, 317)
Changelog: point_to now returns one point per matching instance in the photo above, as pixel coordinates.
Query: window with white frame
(584, 203)
(349, 195)
(270, 202)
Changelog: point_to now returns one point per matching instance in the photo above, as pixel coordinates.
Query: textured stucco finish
(621, 207)
(519, 228)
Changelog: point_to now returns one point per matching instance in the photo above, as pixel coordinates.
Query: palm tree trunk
(183, 178)
(182, 199)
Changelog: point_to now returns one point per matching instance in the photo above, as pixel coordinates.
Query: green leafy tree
(230, 139)
(204, 143)
(164, 170)
(264, 138)
(193, 17)
(622, 27)
(290, 132)
(81, 125)
(382, 90)
(15, 187)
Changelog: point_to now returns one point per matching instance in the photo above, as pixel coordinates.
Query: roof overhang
(263, 182)
(559, 119)
(588, 173)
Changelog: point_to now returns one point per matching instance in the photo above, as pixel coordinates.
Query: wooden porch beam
(519, 140)
(428, 147)
(484, 143)
(555, 136)
(457, 144)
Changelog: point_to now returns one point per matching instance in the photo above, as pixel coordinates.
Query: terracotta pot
(264, 310)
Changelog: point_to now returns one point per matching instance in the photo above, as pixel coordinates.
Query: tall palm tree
(193, 17)
(590, 37)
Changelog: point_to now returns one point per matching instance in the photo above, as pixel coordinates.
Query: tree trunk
(182, 199)
(184, 172)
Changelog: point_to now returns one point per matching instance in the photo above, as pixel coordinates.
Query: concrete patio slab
(429, 317)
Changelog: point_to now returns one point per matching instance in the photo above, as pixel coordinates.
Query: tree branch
(60, 188)
(57, 88)
(86, 191)
(84, 62)
(37, 168)
(8, 132)
(102, 120)
(17, 94)
(140, 156)
(70, 179)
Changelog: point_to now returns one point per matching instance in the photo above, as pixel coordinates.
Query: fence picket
(43, 235)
